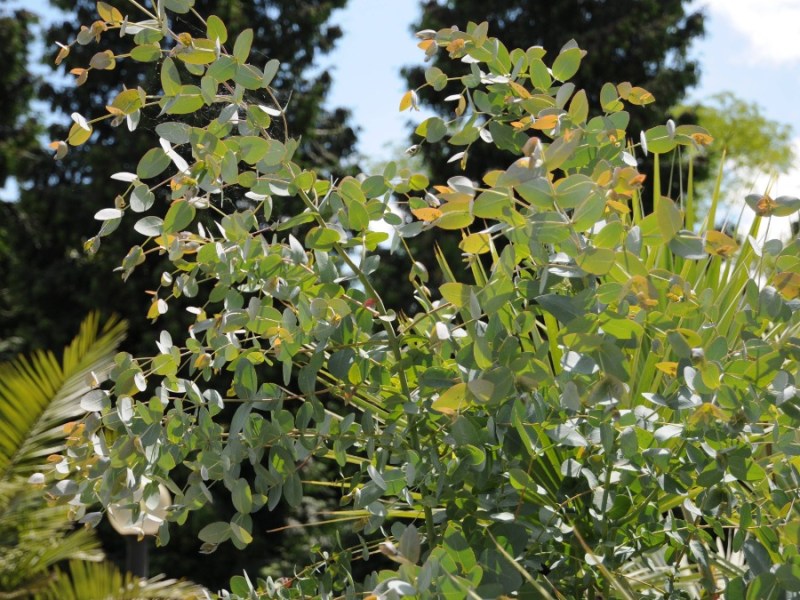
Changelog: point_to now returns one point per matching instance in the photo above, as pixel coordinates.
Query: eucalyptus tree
(602, 404)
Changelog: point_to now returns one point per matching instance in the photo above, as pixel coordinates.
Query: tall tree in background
(18, 142)
(48, 281)
(642, 41)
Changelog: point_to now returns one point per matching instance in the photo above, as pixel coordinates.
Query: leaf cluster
(606, 397)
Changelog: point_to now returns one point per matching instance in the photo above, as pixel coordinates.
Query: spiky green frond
(39, 394)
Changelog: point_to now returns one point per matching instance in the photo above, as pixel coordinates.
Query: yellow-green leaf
(452, 400)
(146, 53)
(456, 294)
(241, 48)
(78, 135)
(126, 102)
(567, 63)
(108, 13)
(170, 78)
(216, 29)
(476, 243)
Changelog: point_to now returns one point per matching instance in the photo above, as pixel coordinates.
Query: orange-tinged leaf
(455, 47)
(81, 74)
(426, 44)
(670, 368)
(443, 189)
(702, 138)
(426, 214)
(63, 52)
(765, 205)
(545, 122)
(61, 149)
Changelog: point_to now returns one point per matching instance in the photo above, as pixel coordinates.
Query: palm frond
(99, 581)
(38, 395)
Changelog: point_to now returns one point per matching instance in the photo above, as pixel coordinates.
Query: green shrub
(606, 408)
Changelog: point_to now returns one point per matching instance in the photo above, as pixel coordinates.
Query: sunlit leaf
(426, 214)
(566, 64)
(215, 29)
(452, 400)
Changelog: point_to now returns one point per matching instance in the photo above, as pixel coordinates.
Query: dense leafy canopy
(605, 401)
(47, 283)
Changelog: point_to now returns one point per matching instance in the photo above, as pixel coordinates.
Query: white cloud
(771, 27)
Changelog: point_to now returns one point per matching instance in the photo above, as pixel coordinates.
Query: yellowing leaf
(78, 135)
(455, 220)
(153, 312)
(455, 47)
(426, 214)
(426, 44)
(519, 90)
(788, 284)
(702, 138)
(126, 102)
(670, 368)
(406, 101)
(476, 243)
(451, 400)
(491, 177)
(61, 149)
(103, 60)
(63, 52)
(81, 74)
(545, 122)
(461, 106)
(202, 361)
(719, 244)
(707, 414)
(108, 13)
(640, 96)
